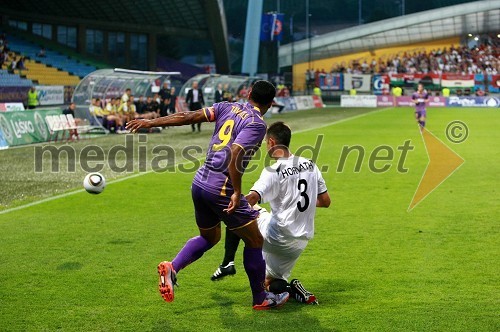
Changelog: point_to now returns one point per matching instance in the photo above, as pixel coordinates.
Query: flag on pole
(271, 27)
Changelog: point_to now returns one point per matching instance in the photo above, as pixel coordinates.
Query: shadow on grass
(291, 317)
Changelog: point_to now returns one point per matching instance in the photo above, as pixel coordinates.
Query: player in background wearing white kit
(294, 187)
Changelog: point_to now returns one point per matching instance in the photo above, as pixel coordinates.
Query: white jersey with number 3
(291, 186)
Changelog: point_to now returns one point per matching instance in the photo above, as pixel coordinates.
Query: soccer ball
(94, 183)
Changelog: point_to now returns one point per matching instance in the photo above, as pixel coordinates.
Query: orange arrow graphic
(443, 162)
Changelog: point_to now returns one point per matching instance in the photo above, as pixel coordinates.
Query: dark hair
(280, 132)
(263, 92)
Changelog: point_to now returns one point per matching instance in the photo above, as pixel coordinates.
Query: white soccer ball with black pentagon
(94, 183)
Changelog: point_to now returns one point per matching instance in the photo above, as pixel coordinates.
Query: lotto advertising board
(19, 128)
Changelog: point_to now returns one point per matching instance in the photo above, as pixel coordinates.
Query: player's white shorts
(279, 253)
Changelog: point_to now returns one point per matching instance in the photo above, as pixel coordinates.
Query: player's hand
(233, 204)
(136, 124)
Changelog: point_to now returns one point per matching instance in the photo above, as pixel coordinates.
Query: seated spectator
(71, 110)
(243, 94)
(151, 110)
(73, 133)
(41, 53)
(20, 64)
(140, 105)
(227, 95)
(12, 66)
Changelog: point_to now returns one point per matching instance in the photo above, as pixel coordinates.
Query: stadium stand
(7, 79)
(51, 59)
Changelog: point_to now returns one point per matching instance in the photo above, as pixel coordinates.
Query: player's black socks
(230, 246)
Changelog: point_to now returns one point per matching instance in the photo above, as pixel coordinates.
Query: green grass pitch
(83, 262)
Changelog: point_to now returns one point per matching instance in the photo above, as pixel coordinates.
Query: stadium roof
(474, 17)
(199, 19)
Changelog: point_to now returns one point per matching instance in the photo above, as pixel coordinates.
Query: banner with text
(494, 83)
(26, 127)
(304, 102)
(435, 101)
(331, 82)
(381, 84)
(359, 82)
(457, 81)
(386, 101)
(473, 102)
(358, 101)
(428, 79)
(50, 94)
(11, 107)
(288, 102)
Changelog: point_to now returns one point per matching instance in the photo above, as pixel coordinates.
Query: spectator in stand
(126, 96)
(33, 98)
(165, 92)
(195, 101)
(71, 111)
(2, 59)
(20, 64)
(446, 92)
(397, 91)
(157, 99)
(480, 92)
(227, 95)
(41, 53)
(140, 105)
(218, 93)
(317, 91)
(12, 66)
(132, 110)
(243, 94)
(173, 101)
(152, 108)
(164, 107)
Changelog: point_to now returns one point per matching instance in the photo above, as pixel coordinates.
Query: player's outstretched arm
(177, 119)
(323, 200)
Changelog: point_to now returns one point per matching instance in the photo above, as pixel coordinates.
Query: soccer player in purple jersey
(420, 98)
(216, 188)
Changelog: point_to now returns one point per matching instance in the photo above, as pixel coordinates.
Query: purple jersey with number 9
(235, 123)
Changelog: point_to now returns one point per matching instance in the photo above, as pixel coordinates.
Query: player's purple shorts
(209, 208)
(419, 114)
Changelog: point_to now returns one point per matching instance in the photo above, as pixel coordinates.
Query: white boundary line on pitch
(48, 199)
